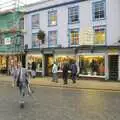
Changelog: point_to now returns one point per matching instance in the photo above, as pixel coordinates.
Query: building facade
(83, 30)
(11, 38)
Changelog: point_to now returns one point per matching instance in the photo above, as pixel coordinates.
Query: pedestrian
(74, 72)
(22, 82)
(12, 69)
(33, 73)
(54, 72)
(65, 73)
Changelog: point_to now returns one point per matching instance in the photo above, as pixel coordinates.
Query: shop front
(38, 59)
(6, 61)
(61, 59)
(92, 66)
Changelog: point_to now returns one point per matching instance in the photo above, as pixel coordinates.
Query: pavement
(80, 84)
(48, 103)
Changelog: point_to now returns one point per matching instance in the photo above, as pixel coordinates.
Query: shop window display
(64, 59)
(91, 65)
(37, 60)
(3, 60)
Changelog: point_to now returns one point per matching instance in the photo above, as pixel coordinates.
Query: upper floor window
(35, 41)
(100, 35)
(73, 15)
(99, 10)
(52, 38)
(52, 18)
(35, 21)
(74, 36)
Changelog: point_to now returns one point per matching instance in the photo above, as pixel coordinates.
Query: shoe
(65, 83)
(23, 94)
(74, 82)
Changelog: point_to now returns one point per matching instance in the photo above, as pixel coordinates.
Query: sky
(9, 4)
(25, 1)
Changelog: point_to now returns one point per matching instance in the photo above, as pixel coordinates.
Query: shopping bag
(33, 73)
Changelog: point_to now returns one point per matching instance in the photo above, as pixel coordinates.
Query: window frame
(50, 13)
(98, 3)
(100, 29)
(70, 10)
(35, 46)
(69, 32)
(33, 25)
(49, 33)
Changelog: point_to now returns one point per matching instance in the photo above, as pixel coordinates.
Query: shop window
(52, 38)
(35, 21)
(52, 18)
(100, 36)
(35, 41)
(73, 15)
(37, 60)
(92, 65)
(3, 63)
(98, 10)
(64, 59)
(74, 36)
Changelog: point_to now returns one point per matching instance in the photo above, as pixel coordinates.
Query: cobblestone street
(60, 104)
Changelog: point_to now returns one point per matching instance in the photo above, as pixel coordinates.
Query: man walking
(74, 72)
(54, 71)
(12, 69)
(22, 82)
(33, 69)
(65, 73)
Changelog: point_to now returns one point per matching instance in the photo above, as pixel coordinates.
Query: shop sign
(7, 41)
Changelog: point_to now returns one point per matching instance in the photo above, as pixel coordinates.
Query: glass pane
(100, 37)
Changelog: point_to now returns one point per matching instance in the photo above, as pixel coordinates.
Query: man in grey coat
(21, 80)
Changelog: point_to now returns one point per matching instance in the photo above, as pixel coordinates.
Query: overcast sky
(25, 1)
(9, 4)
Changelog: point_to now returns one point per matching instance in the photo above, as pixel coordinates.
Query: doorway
(113, 67)
(48, 64)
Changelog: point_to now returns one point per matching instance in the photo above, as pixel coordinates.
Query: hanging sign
(7, 41)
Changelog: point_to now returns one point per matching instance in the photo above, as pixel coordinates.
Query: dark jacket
(65, 70)
(33, 66)
(74, 68)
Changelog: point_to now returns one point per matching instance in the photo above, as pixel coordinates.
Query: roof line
(28, 5)
(53, 6)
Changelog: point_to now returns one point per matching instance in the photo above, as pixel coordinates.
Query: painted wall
(85, 11)
(62, 26)
(113, 21)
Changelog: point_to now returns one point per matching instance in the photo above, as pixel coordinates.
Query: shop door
(113, 67)
(48, 64)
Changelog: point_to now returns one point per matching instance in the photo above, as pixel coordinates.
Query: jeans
(22, 89)
(55, 77)
(74, 77)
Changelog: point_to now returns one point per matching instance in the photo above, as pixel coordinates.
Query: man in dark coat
(65, 73)
(33, 69)
(74, 72)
